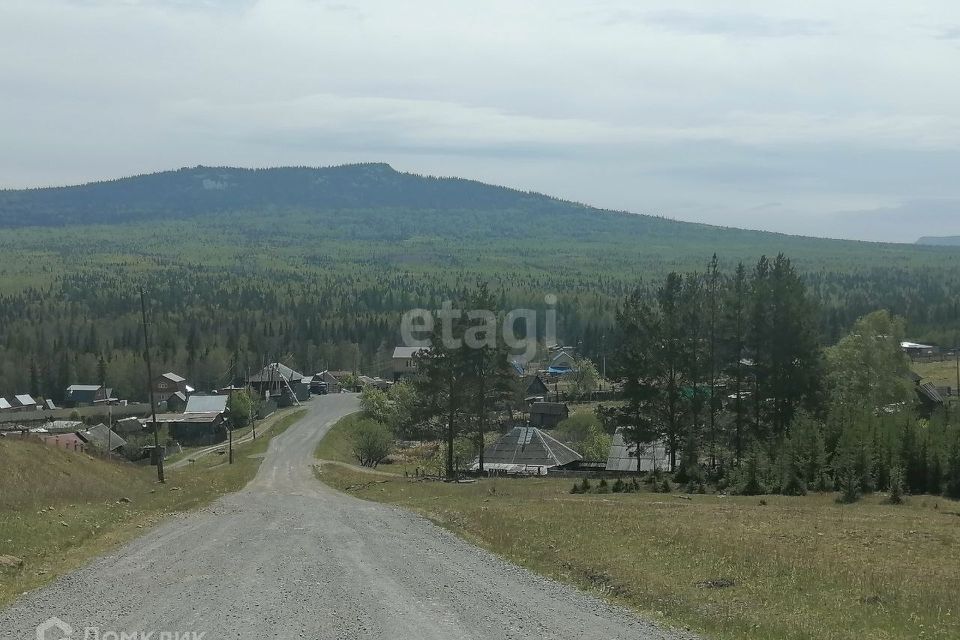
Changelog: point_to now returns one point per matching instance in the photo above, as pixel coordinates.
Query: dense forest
(724, 371)
(315, 266)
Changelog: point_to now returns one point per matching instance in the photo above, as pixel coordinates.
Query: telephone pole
(153, 403)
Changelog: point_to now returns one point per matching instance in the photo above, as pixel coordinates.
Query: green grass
(940, 374)
(337, 446)
(61, 508)
(802, 568)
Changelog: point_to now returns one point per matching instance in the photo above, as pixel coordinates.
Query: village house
(282, 383)
(534, 387)
(562, 361)
(204, 421)
(548, 414)
(528, 451)
(85, 395)
(404, 363)
(172, 389)
(335, 380)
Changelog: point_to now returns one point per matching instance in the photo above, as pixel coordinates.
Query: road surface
(290, 558)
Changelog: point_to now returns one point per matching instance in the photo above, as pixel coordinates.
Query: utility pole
(230, 442)
(109, 426)
(250, 418)
(153, 403)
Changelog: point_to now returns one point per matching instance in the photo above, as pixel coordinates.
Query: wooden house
(548, 414)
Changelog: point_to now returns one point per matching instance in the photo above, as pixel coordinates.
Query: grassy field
(60, 508)
(941, 374)
(729, 567)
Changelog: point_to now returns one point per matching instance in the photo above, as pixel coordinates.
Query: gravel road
(289, 558)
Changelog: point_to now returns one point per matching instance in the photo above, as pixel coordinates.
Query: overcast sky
(826, 118)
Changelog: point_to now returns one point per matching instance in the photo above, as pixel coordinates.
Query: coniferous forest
(315, 266)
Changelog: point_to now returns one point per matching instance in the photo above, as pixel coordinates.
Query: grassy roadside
(61, 508)
(729, 567)
(338, 447)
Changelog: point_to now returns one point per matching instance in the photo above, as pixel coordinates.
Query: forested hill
(942, 241)
(319, 265)
(198, 190)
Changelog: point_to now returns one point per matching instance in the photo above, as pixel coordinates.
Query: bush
(372, 443)
(585, 485)
(619, 486)
(602, 486)
(665, 486)
(575, 488)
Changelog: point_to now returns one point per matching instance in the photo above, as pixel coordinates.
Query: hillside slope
(191, 191)
(941, 241)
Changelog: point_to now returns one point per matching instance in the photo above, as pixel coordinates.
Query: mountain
(193, 191)
(940, 241)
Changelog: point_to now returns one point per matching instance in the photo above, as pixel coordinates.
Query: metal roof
(83, 387)
(99, 435)
(528, 447)
(206, 404)
(25, 399)
(407, 352)
(549, 408)
(172, 377)
(4, 404)
(623, 456)
(276, 372)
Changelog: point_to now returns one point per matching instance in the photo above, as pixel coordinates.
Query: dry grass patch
(730, 567)
(60, 508)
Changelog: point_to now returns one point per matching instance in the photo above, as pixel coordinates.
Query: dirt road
(290, 558)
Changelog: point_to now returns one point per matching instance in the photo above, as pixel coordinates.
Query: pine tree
(752, 484)
(952, 485)
(896, 485)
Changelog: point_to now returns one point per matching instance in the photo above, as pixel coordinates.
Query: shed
(83, 395)
(527, 450)
(101, 437)
(533, 385)
(25, 402)
(548, 414)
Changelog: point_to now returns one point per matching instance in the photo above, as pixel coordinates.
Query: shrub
(585, 485)
(602, 486)
(619, 486)
(665, 486)
(372, 443)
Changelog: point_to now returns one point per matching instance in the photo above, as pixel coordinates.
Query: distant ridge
(200, 190)
(940, 241)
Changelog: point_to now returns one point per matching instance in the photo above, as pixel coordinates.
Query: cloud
(706, 113)
(734, 24)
